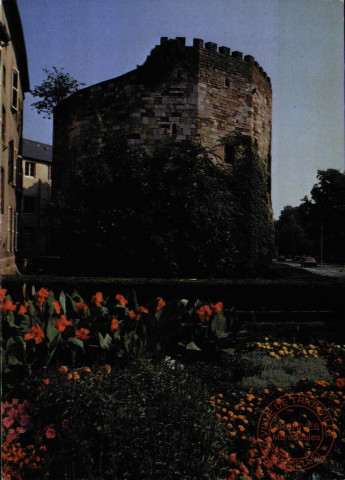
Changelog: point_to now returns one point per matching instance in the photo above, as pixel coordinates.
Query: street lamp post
(321, 244)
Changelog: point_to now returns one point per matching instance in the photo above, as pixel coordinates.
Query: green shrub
(146, 421)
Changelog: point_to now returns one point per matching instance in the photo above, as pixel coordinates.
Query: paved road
(326, 270)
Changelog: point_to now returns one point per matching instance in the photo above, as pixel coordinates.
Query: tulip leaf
(62, 301)
(220, 334)
(104, 341)
(77, 342)
(219, 322)
(229, 351)
(192, 346)
(12, 360)
(51, 330)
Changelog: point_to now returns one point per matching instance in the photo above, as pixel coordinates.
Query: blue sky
(299, 43)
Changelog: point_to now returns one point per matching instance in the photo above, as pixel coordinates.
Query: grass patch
(267, 372)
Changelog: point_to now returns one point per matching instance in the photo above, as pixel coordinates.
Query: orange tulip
(97, 299)
(62, 323)
(81, 306)
(161, 303)
(41, 296)
(57, 306)
(36, 333)
(82, 334)
(114, 324)
(204, 313)
(121, 300)
(218, 307)
(8, 306)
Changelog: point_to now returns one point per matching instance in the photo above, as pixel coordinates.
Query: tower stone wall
(199, 93)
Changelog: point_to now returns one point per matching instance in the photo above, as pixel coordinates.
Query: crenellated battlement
(224, 51)
(200, 93)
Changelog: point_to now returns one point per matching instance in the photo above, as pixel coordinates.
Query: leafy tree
(57, 86)
(299, 229)
(252, 212)
(290, 234)
(324, 213)
(169, 213)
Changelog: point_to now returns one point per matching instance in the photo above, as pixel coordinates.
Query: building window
(15, 233)
(28, 237)
(15, 86)
(30, 169)
(11, 232)
(174, 129)
(227, 82)
(10, 161)
(2, 198)
(229, 154)
(4, 76)
(3, 124)
(29, 205)
(19, 180)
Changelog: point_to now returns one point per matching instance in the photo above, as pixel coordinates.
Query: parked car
(308, 262)
(297, 258)
(281, 258)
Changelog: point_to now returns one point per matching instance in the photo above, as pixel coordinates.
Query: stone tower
(199, 93)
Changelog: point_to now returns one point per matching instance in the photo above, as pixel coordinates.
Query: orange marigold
(82, 334)
(204, 313)
(121, 300)
(63, 369)
(36, 333)
(62, 323)
(97, 298)
(340, 382)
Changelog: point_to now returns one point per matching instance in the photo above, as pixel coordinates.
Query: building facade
(36, 162)
(14, 81)
(199, 93)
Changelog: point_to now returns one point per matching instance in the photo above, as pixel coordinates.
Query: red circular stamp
(296, 432)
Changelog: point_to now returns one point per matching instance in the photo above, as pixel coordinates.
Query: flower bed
(160, 390)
